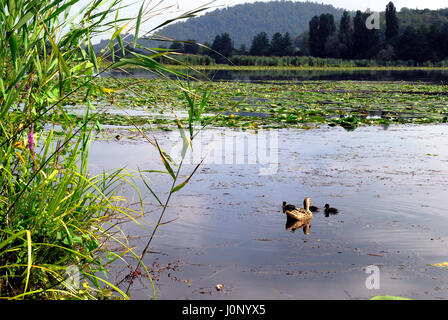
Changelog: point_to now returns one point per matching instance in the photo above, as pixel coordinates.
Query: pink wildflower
(31, 147)
(31, 141)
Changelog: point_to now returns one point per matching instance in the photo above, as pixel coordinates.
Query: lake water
(389, 184)
(428, 75)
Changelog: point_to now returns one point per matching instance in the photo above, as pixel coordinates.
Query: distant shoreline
(250, 68)
(299, 68)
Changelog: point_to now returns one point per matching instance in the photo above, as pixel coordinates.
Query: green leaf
(180, 186)
(165, 162)
(60, 9)
(149, 188)
(118, 32)
(29, 260)
(92, 56)
(112, 50)
(76, 240)
(120, 42)
(24, 20)
(58, 52)
(12, 238)
(137, 26)
(13, 47)
(147, 62)
(98, 125)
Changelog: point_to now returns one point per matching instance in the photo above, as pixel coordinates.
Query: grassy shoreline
(305, 68)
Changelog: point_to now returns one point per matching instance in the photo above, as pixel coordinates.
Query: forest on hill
(413, 37)
(394, 39)
(417, 36)
(253, 18)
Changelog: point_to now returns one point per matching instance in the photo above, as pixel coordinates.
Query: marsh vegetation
(58, 221)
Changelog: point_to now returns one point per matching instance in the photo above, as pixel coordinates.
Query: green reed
(53, 213)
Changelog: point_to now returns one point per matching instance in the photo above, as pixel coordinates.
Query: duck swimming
(329, 210)
(298, 213)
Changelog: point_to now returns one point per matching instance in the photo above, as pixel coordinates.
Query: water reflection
(293, 224)
(433, 76)
(437, 76)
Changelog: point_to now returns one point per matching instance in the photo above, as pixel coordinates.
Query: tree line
(354, 40)
(348, 39)
(279, 45)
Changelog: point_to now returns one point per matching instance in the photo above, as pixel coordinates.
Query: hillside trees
(191, 47)
(321, 29)
(392, 27)
(327, 28)
(260, 45)
(345, 36)
(443, 40)
(242, 22)
(313, 37)
(366, 42)
(423, 36)
(222, 47)
(281, 45)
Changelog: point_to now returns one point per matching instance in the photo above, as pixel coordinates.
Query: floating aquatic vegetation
(349, 123)
(388, 297)
(274, 104)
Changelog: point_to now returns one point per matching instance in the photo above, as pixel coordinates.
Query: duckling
(329, 210)
(118, 136)
(298, 213)
(314, 209)
(288, 207)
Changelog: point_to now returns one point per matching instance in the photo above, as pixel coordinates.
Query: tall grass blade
(30, 261)
(137, 26)
(180, 186)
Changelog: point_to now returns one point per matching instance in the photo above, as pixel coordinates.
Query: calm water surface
(390, 185)
(433, 76)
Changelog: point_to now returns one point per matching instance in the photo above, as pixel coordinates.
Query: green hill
(414, 17)
(244, 21)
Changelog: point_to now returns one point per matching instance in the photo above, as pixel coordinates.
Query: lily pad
(442, 264)
(387, 297)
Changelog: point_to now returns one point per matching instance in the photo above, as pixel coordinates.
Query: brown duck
(298, 213)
